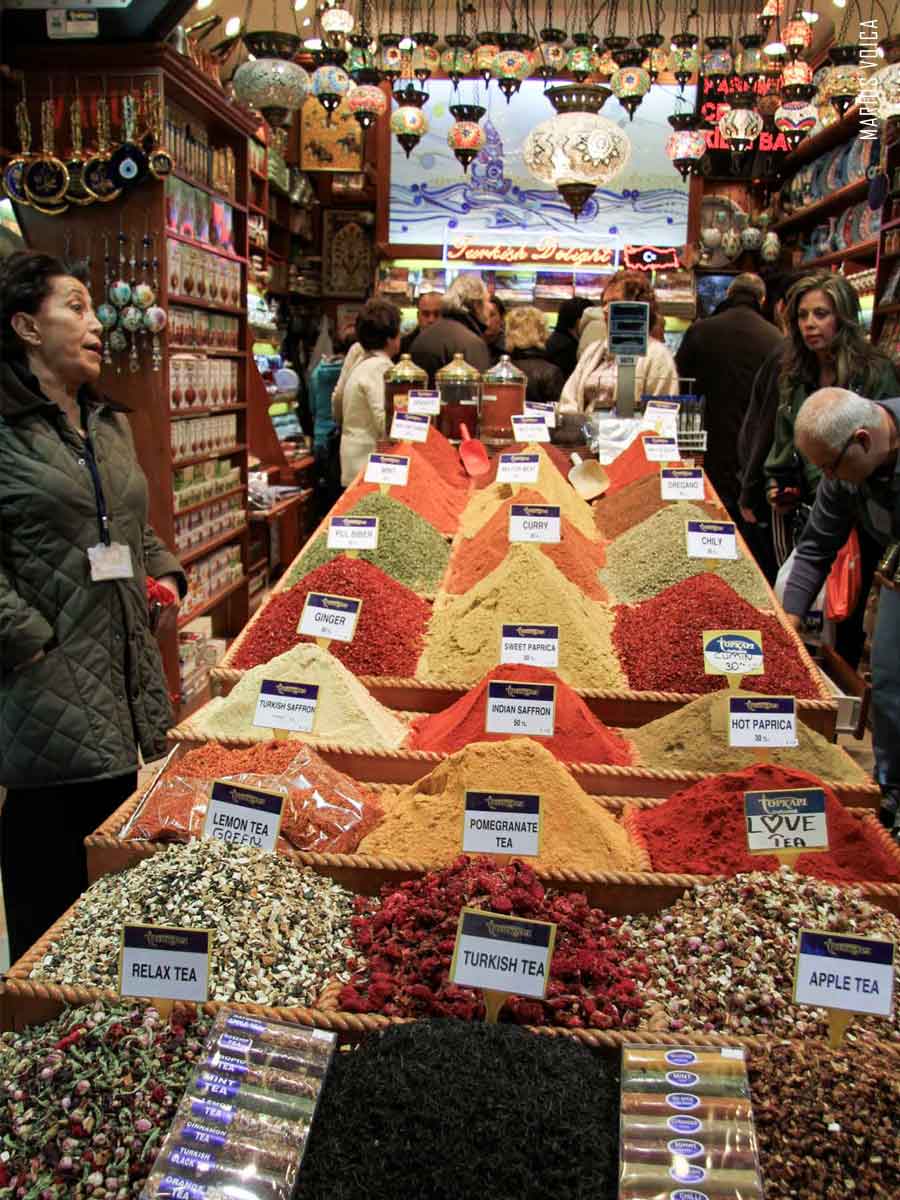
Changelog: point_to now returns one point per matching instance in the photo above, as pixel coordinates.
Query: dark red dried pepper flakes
(389, 634)
(407, 937)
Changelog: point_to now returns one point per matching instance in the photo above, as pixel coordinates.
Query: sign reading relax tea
(387, 468)
(502, 954)
(164, 963)
(290, 706)
(525, 708)
(243, 816)
(533, 645)
(788, 819)
(326, 616)
(502, 823)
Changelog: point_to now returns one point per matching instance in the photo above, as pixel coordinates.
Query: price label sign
(502, 823)
(289, 706)
(353, 533)
(537, 408)
(407, 427)
(711, 539)
(243, 816)
(525, 708)
(530, 429)
(661, 415)
(164, 963)
(534, 523)
(502, 954)
(835, 970)
(682, 483)
(762, 721)
(387, 468)
(660, 449)
(518, 468)
(421, 403)
(333, 617)
(533, 645)
(733, 652)
(792, 819)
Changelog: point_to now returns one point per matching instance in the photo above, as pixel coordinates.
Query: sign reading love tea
(164, 963)
(788, 819)
(502, 823)
(326, 616)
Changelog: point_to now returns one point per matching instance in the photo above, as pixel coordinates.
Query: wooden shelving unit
(886, 317)
(117, 70)
(862, 252)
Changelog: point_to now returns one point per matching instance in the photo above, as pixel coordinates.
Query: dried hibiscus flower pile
(406, 941)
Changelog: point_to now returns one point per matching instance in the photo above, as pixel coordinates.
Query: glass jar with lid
(502, 396)
(459, 388)
(402, 376)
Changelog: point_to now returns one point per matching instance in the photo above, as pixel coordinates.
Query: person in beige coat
(359, 408)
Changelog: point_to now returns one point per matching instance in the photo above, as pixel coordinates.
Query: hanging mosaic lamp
(843, 82)
(271, 82)
(425, 58)
(752, 62)
(616, 45)
(361, 65)
(408, 122)
(367, 102)
(769, 98)
(457, 59)
(795, 119)
(390, 56)
(550, 56)
(794, 74)
(512, 63)
(685, 145)
(656, 57)
(577, 150)
(740, 125)
(330, 84)
(717, 62)
(771, 11)
(797, 35)
(337, 25)
(581, 59)
(630, 83)
(685, 58)
(466, 137)
(487, 50)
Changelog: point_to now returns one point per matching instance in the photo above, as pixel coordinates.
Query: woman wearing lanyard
(82, 689)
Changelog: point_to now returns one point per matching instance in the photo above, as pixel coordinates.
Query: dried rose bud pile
(722, 958)
(86, 1099)
(406, 939)
(827, 1121)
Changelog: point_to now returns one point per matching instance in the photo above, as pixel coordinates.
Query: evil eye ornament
(118, 342)
(155, 319)
(132, 318)
(120, 293)
(108, 316)
(143, 295)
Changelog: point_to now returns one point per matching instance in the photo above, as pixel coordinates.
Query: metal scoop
(588, 478)
(472, 454)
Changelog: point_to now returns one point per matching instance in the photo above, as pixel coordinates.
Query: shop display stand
(117, 70)
(886, 316)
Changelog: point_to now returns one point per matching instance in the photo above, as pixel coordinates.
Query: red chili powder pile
(630, 465)
(701, 831)
(660, 642)
(440, 454)
(575, 556)
(636, 502)
(427, 492)
(389, 634)
(579, 736)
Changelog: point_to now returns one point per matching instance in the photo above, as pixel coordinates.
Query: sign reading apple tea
(525, 708)
(164, 963)
(502, 823)
(518, 468)
(290, 706)
(243, 816)
(326, 616)
(353, 533)
(835, 970)
(762, 721)
(533, 645)
(789, 819)
(387, 469)
(502, 954)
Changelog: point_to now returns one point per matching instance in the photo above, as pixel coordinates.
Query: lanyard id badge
(111, 561)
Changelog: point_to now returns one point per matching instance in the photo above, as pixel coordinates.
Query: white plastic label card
(283, 705)
(534, 523)
(422, 403)
(711, 539)
(331, 617)
(682, 483)
(525, 708)
(353, 533)
(518, 468)
(407, 427)
(533, 645)
(530, 429)
(502, 823)
(387, 468)
(502, 954)
(164, 963)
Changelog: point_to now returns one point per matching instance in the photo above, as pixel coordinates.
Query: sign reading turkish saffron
(164, 963)
(503, 954)
(548, 251)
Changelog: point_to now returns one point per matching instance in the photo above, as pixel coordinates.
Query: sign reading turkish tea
(525, 708)
(283, 705)
(164, 963)
(502, 823)
(502, 954)
(786, 819)
(326, 616)
(243, 816)
(549, 252)
(533, 645)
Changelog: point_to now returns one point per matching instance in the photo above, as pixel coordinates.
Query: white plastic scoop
(588, 478)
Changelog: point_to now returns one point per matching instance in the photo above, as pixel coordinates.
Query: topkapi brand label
(733, 652)
(533, 645)
(681, 483)
(502, 823)
(786, 819)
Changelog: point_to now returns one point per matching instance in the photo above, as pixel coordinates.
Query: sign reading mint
(502, 823)
(525, 708)
(502, 954)
(164, 963)
(388, 469)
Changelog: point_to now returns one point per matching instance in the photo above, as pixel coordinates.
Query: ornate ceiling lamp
(752, 62)
(717, 62)
(797, 35)
(270, 81)
(390, 56)
(487, 50)
(466, 137)
(550, 56)
(361, 65)
(408, 122)
(656, 58)
(457, 59)
(513, 63)
(685, 57)
(740, 125)
(630, 83)
(425, 58)
(885, 83)
(771, 12)
(685, 145)
(795, 119)
(843, 82)
(337, 25)
(367, 102)
(577, 150)
(330, 84)
(581, 59)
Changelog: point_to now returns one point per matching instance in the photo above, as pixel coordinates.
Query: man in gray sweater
(855, 442)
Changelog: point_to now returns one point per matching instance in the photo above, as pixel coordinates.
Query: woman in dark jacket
(82, 690)
(526, 345)
(562, 344)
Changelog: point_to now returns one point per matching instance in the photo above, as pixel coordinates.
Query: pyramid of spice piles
(409, 549)
(463, 640)
(404, 944)
(639, 500)
(660, 642)
(323, 810)
(552, 487)
(578, 735)
(701, 831)
(389, 633)
(346, 714)
(695, 738)
(442, 455)
(423, 821)
(574, 556)
(652, 556)
(427, 491)
(628, 466)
